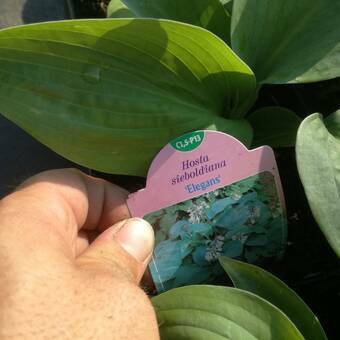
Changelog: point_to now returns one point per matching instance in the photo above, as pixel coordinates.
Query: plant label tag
(207, 195)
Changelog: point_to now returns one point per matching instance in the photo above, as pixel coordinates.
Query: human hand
(54, 283)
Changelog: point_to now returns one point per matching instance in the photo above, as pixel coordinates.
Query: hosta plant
(108, 94)
(259, 307)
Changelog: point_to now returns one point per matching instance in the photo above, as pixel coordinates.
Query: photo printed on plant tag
(244, 220)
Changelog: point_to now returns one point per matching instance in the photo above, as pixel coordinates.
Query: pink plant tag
(207, 195)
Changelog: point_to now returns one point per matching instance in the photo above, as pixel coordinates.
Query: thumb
(123, 250)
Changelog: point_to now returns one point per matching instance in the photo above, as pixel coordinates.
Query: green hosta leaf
(208, 14)
(258, 281)
(239, 128)
(227, 4)
(274, 126)
(216, 313)
(318, 160)
(332, 123)
(288, 40)
(108, 94)
(119, 9)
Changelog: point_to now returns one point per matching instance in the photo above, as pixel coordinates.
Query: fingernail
(136, 236)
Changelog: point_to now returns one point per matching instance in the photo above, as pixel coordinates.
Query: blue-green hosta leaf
(264, 240)
(288, 40)
(168, 248)
(245, 199)
(232, 218)
(318, 160)
(109, 94)
(257, 240)
(217, 313)
(237, 189)
(233, 248)
(198, 255)
(239, 232)
(185, 229)
(236, 216)
(219, 206)
(277, 233)
(274, 126)
(270, 288)
(168, 256)
(164, 269)
(203, 229)
(178, 229)
(208, 14)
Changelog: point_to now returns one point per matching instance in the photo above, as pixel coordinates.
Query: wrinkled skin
(55, 283)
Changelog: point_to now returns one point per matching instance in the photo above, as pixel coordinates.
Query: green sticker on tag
(188, 142)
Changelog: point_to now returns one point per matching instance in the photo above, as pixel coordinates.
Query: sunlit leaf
(208, 14)
(109, 94)
(217, 313)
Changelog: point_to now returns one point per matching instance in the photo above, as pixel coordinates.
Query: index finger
(63, 201)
